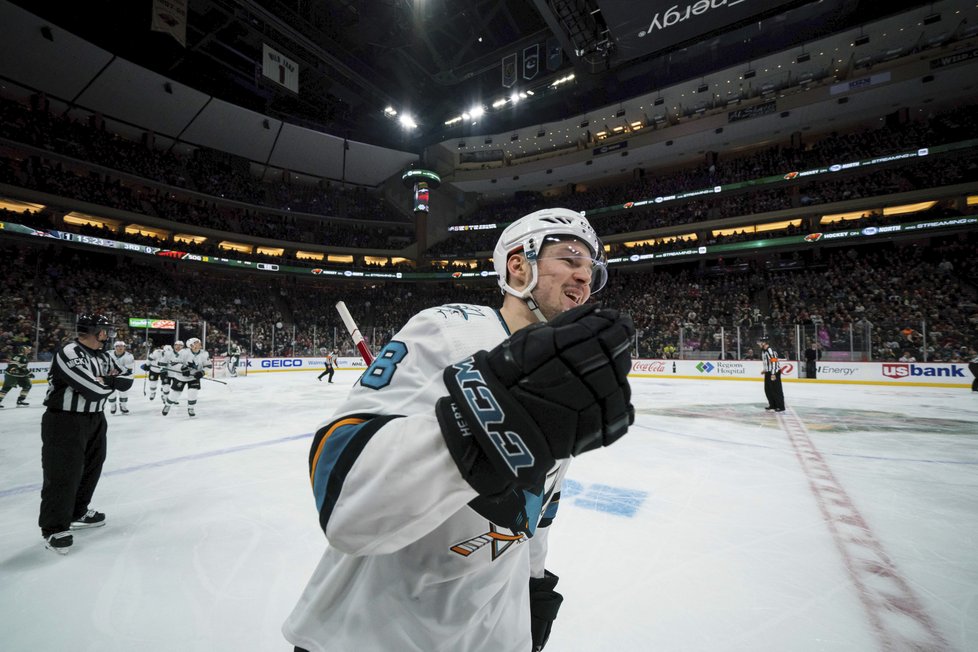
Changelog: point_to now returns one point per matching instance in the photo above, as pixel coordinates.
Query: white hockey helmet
(118, 344)
(167, 348)
(180, 342)
(528, 235)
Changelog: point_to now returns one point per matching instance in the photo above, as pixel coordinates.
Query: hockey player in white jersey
(437, 479)
(168, 363)
(154, 367)
(125, 363)
(187, 371)
(234, 356)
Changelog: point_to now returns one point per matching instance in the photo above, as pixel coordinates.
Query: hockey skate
(89, 520)
(112, 409)
(190, 412)
(22, 403)
(152, 395)
(166, 409)
(59, 542)
(124, 409)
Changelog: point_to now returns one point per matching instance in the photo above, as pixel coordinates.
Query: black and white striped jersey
(770, 359)
(73, 380)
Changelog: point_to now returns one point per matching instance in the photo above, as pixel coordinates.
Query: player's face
(195, 347)
(120, 349)
(563, 277)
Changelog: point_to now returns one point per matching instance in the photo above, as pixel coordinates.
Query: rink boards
(912, 374)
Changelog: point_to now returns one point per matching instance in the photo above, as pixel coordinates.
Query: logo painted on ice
(705, 367)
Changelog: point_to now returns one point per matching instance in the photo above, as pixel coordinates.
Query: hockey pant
(9, 382)
(176, 391)
(123, 397)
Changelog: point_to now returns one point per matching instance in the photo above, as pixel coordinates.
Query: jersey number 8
(378, 375)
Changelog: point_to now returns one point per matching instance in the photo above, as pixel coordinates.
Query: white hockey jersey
(410, 564)
(124, 363)
(187, 362)
(155, 360)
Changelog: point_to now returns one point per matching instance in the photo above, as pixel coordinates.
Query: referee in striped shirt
(73, 428)
(772, 377)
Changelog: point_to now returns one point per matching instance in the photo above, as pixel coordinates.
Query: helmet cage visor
(576, 252)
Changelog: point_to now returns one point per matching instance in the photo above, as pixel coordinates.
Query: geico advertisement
(301, 364)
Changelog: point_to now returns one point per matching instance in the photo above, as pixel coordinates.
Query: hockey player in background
(154, 367)
(234, 356)
(124, 362)
(18, 373)
(187, 371)
(437, 479)
(168, 364)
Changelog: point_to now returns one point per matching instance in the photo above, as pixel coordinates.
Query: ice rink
(849, 522)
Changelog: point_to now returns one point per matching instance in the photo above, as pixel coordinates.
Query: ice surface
(700, 530)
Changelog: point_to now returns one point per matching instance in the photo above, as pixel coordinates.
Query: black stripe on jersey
(337, 477)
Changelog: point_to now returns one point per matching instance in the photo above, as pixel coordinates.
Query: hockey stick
(214, 380)
(351, 327)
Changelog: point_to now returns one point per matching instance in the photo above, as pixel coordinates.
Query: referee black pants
(773, 390)
(974, 372)
(73, 447)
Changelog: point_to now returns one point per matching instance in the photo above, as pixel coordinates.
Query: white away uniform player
(234, 356)
(169, 363)
(125, 363)
(437, 478)
(186, 371)
(154, 367)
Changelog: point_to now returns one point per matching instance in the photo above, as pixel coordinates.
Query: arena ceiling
(433, 59)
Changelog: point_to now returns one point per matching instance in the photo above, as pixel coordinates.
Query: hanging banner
(555, 54)
(170, 17)
(531, 61)
(509, 70)
(279, 68)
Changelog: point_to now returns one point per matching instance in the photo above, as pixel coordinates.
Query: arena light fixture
(909, 208)
(407, 122)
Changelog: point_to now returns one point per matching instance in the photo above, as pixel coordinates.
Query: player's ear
(518, 270)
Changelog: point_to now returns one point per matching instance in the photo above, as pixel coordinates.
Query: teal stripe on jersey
(334, 447)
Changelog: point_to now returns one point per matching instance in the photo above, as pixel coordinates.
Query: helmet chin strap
(534, 307)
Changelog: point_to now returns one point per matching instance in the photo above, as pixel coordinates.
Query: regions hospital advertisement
(915, 374)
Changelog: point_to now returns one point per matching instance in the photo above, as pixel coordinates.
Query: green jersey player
(18, 373)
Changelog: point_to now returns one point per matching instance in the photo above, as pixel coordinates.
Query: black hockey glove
(544, 604)
(144, 367)
(548, 392)
(198, 374)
